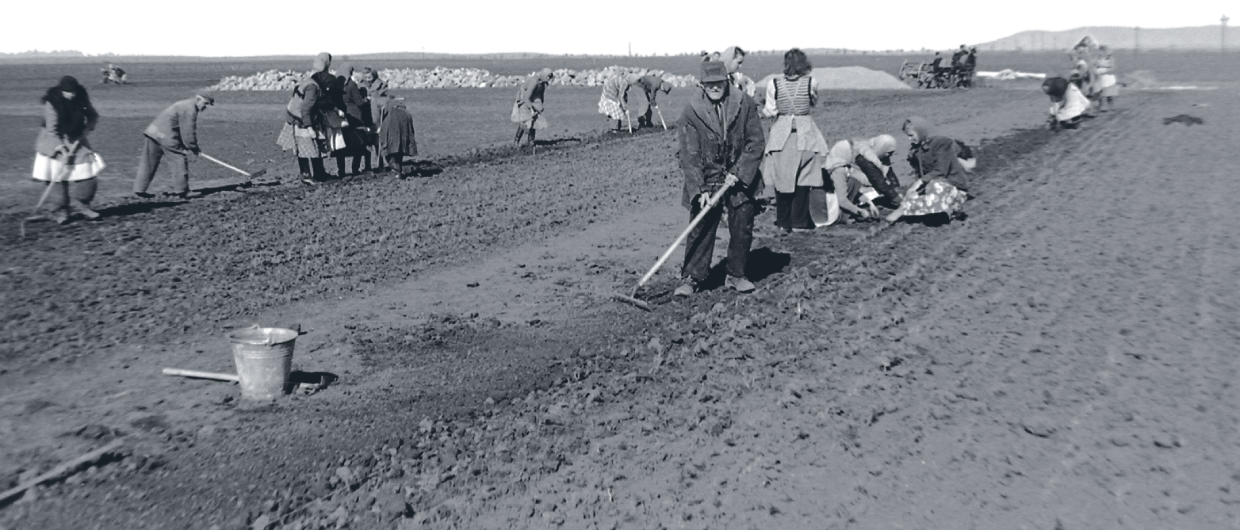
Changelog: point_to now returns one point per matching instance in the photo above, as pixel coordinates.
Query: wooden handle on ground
(62, 469)
(202, 375)
(710, 205)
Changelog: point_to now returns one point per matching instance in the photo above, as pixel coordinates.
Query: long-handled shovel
(249, 176)
(656, 109)
(632, 298)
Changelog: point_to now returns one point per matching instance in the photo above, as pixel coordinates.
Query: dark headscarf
(71, 114)
(1055, 87)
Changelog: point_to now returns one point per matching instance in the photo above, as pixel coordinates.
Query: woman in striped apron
(795, 148)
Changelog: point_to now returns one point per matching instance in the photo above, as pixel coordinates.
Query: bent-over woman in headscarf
(862, 177)
(528, 108)
(942, 184)
(795, 149)
(63, 156)
(397, 139)
(1068, 105)
(304, 129)
(613, 103)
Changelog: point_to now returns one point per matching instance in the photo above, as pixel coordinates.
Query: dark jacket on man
(710, 150)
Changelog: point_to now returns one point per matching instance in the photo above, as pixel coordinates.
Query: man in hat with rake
(174, 132)
(721, 144)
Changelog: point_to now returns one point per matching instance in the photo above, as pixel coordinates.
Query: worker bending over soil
(942, 185)
(721, 144)
(175, 132)
(650, 85)
(63, 158)
(528, 108)
(613, 102)
(1068, 104)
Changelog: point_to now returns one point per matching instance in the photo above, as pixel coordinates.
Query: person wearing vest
(528, 108)
(650, 86)
(63, 157)
(942, 184)
(613, 102)
(720, 147)
(795, 148)
(175, 133)
(303, 131)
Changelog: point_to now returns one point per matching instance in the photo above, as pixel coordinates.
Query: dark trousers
(792, 209)
(152, 152)
(701, 242)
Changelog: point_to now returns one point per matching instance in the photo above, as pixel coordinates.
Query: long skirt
(937, 197)
(86, 166)
(610, 108)
(305, 142)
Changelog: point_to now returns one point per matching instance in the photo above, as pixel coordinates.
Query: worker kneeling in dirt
(721, 144)
(174, 131)
(1068, 104)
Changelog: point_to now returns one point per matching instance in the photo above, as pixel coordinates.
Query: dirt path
(1054, 360)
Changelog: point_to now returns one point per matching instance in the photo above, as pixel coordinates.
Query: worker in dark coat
(175, 133)
(527, 109)
(650, 86)
(721, 144)
(397, 139)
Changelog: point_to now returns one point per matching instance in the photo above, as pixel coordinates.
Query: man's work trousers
(700, 245)
(152, 152)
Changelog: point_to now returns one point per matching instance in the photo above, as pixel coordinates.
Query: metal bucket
(264, 357)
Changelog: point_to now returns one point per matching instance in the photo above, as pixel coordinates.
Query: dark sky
(296, 27)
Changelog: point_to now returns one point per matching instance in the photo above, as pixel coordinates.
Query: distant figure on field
(958, 57)
(1068, 105)
(613, 102)
(650, 85)
(720, 147)
(1104, 66)
(397, 139)
(528, 108)
(942, 184)
(113, 74)
(795, 149)
(63, 156)
(174, 132)
(304, 130)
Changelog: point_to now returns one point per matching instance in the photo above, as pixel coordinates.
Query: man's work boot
(741, 285)
(687, 289)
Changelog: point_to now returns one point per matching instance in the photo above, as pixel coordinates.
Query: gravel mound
(849, 78)
(441, 77)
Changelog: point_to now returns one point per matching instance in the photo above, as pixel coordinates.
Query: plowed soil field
(1064, 358)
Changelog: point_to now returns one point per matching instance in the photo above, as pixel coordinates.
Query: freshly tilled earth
(1017, 369)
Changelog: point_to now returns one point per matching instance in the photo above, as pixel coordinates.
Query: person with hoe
(303, 131)
(795, 149)
(613, 102)
(650, 86)
(63, 156)
(721, 144)
(528, 108)
(175, 132)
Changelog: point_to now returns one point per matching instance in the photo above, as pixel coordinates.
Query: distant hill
(1196, 38)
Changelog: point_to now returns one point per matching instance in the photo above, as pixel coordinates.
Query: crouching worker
(721, 144)
(1068, 104)
(63, 158)
(942, 184)
(174, 132)
(528, 108)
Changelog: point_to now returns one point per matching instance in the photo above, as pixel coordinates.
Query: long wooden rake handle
(217, 161)
(710, 205)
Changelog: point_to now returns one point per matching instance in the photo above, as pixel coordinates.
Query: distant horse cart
(925, 75)
(113, 74)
